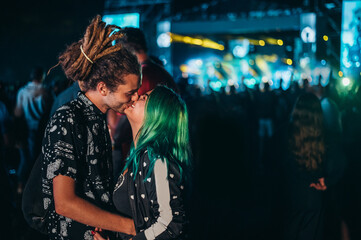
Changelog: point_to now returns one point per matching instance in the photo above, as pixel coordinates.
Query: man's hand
(320, 185)
(98, 234)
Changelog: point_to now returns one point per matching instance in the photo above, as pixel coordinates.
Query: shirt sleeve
(169, 223)
(59, 146)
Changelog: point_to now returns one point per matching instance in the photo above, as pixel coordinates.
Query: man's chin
(119, 110)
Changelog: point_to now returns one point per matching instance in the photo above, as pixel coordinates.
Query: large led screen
(351, 38)
(123, 20)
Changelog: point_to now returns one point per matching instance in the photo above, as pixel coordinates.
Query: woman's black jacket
(156, 199)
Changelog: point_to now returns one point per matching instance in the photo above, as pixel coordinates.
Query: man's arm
(18, 111)
(68, 204)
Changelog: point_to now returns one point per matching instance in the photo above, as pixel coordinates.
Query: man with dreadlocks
(77, 168)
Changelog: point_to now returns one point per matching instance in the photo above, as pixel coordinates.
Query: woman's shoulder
(144, 159)
(144, 154)
(149, 155)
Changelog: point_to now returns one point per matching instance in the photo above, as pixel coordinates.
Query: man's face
(124, 95)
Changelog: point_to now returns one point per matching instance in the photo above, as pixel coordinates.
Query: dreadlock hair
(108, 63)
(307, 133)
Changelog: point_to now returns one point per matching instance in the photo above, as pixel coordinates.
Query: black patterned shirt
(77, 144)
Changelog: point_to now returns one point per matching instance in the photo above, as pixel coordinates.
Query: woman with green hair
(150, 189)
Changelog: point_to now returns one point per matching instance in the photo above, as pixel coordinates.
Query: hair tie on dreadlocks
(82, 51)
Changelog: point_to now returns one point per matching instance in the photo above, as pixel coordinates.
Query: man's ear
(102, 88)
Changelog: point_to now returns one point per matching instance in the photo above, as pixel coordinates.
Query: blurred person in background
(6, 206)
(29, 107)
(265, 110)
(153, 73)
(66, 96)
(304, 171)
(52, 87)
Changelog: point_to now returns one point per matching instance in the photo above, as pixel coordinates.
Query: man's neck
(94, 97)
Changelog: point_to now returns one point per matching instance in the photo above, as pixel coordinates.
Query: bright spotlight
(163, 40)
(239, 51)
(199, 62)
(308, 35)
(346, 82)
(230, 82)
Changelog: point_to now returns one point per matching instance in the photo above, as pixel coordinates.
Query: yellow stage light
(187, 39)
(196, 41)
(183, 68)
(207, 43)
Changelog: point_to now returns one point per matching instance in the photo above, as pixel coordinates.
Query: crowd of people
(127, 153)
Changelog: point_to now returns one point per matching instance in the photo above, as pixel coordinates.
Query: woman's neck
(135, 130)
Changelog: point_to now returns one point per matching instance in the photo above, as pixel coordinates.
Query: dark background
(35, 32)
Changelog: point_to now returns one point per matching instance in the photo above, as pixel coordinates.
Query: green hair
(164, 132)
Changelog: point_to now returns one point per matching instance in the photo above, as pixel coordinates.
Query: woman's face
(135, 112)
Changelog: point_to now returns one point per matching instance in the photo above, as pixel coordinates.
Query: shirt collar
(89, 104)
(31, 83)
